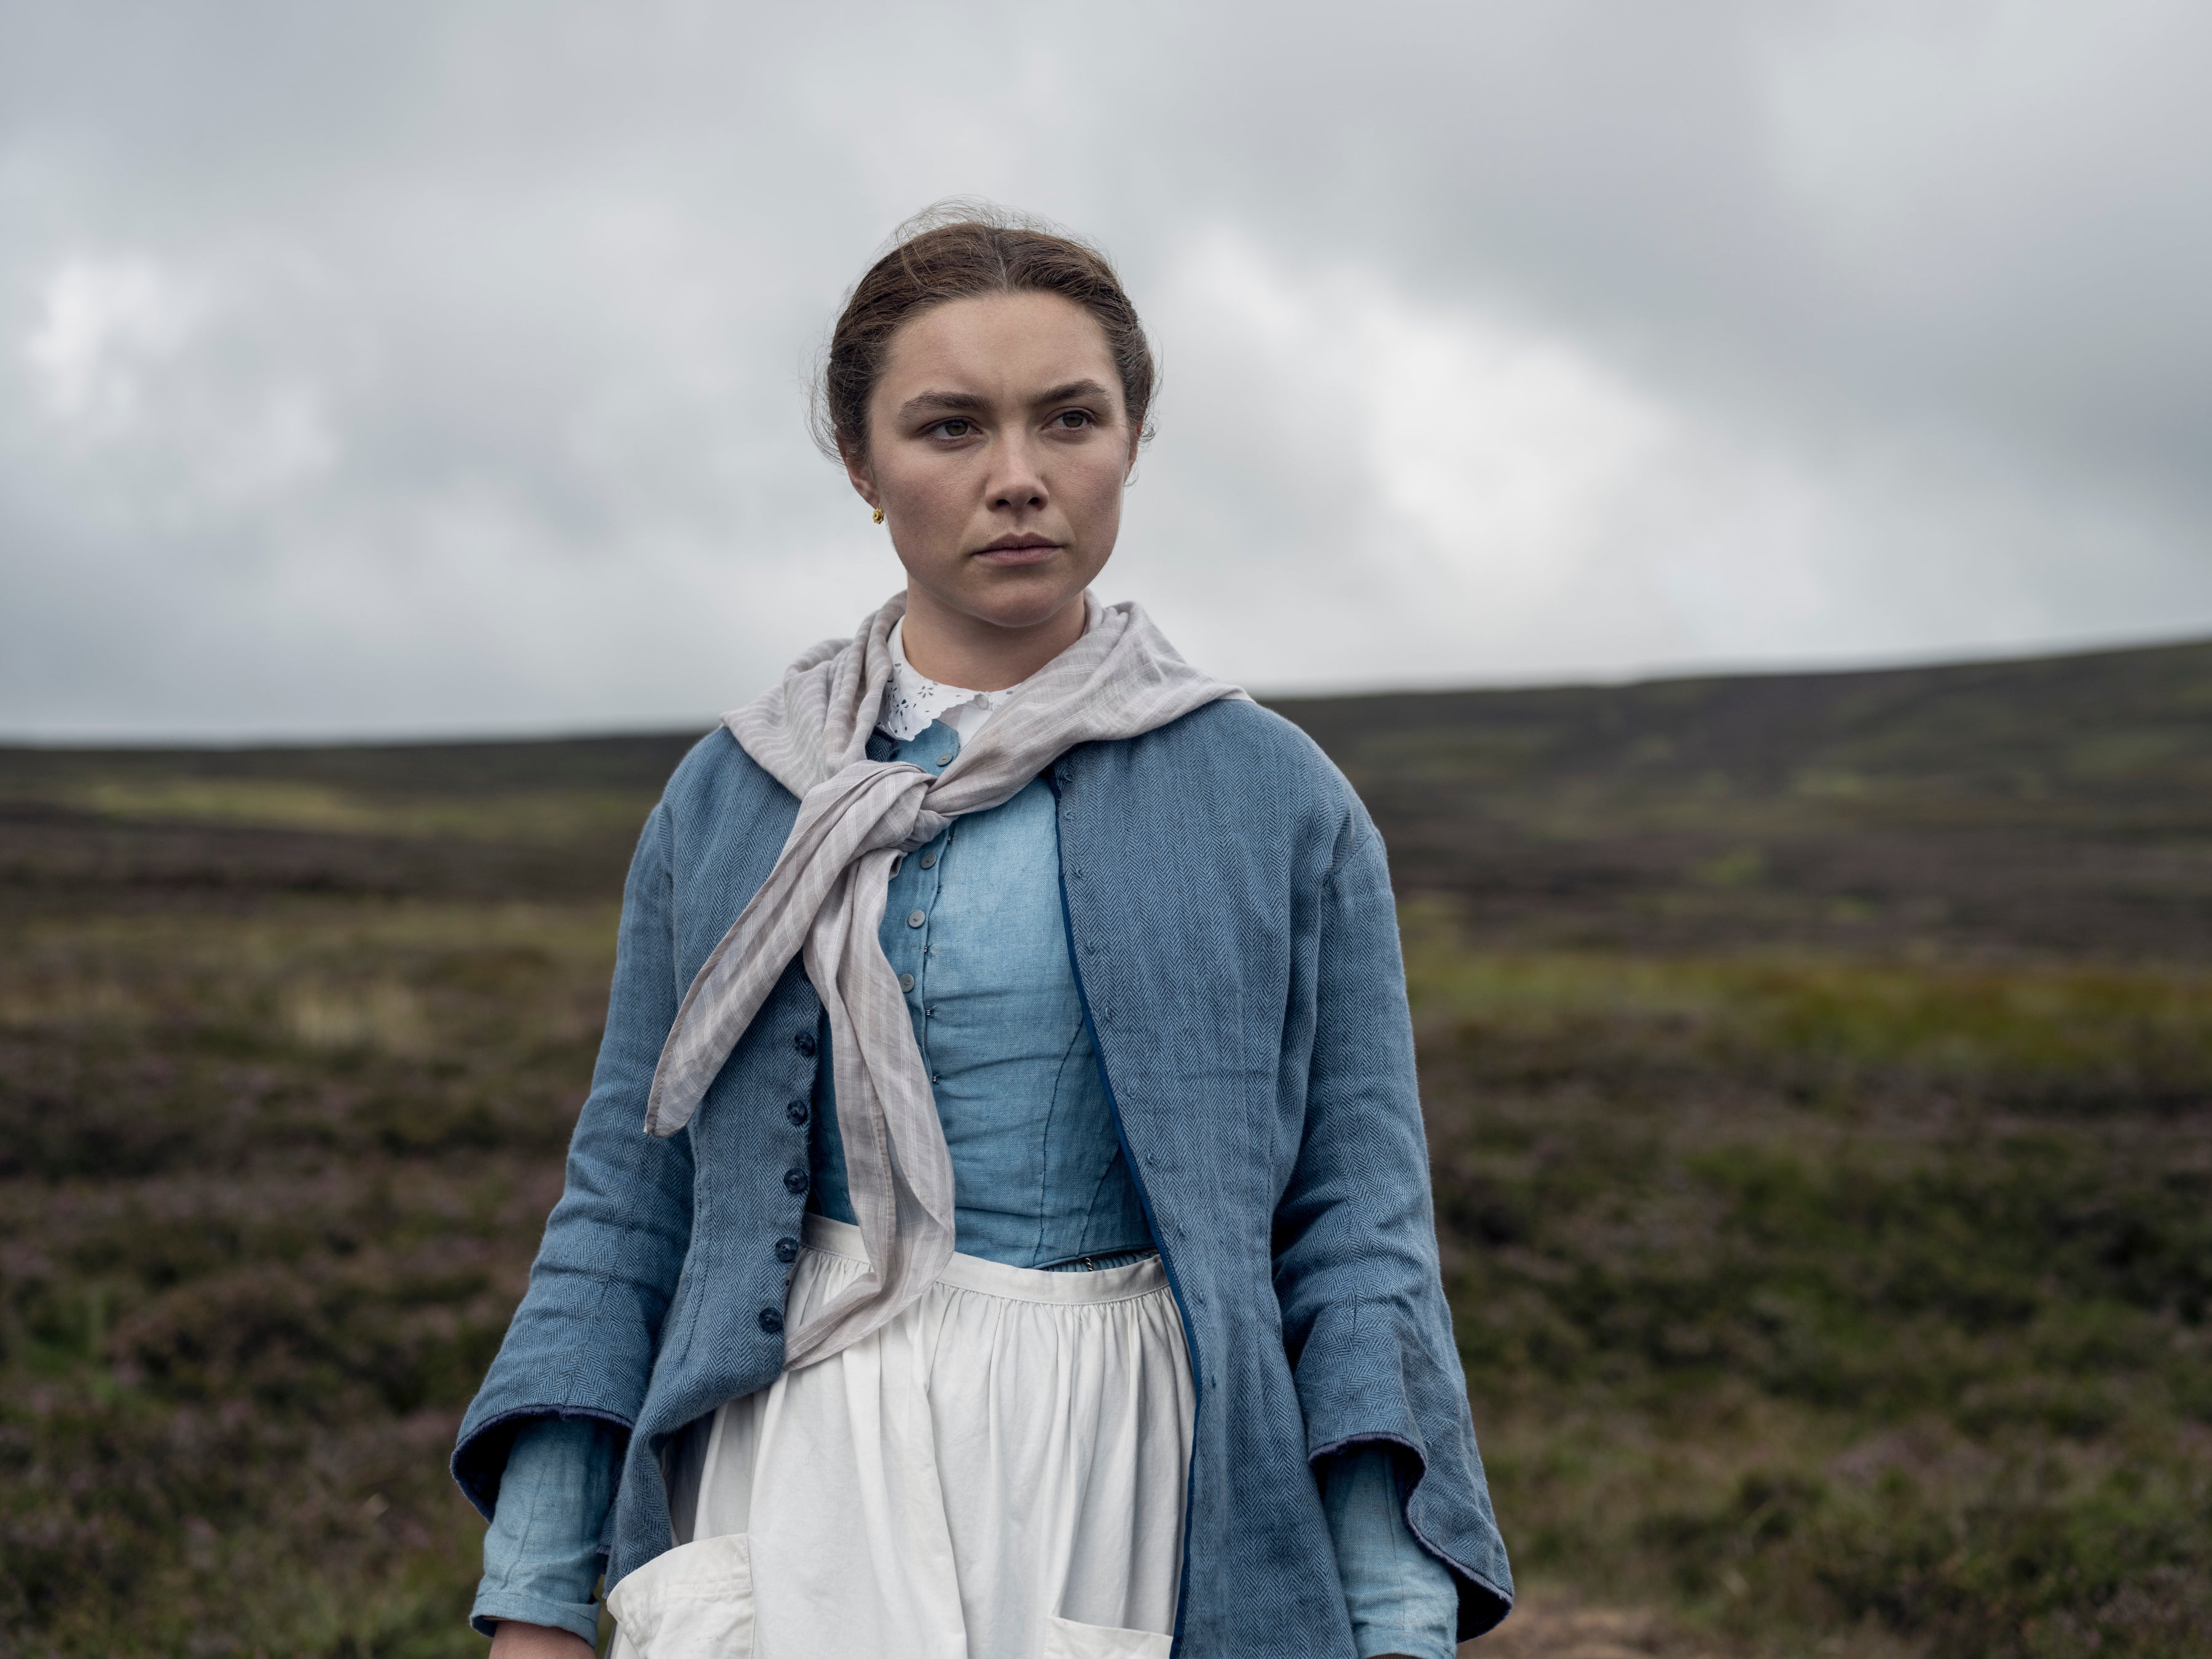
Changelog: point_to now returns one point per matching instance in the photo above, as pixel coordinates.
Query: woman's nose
(1020, 481)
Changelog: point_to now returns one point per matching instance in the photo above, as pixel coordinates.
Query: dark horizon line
(2001, 658)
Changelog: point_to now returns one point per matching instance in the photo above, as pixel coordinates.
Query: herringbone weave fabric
(824, 901)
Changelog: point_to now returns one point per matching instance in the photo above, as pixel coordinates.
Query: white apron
(997, 1473)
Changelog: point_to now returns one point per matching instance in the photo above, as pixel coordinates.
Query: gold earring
(880, 515)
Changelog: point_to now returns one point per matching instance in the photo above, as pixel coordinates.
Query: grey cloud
(461, 382)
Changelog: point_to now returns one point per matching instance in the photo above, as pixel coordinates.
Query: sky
(437, 369)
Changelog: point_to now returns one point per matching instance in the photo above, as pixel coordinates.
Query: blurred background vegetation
(1820, 1082)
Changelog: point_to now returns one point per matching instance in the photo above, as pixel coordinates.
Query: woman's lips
(1036, 552)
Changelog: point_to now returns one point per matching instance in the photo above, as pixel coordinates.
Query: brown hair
(957, 250)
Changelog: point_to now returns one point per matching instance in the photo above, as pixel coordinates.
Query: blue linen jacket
(1232, 927)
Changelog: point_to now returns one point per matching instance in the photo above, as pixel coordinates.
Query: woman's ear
(863, 478)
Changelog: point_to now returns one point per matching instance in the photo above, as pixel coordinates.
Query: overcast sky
(398, 368)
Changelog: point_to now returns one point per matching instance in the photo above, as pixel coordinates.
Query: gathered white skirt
(997, 1473)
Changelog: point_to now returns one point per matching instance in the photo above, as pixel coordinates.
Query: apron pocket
(1066, 1639)
(694, 1602)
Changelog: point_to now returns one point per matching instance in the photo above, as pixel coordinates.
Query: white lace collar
(912, 700)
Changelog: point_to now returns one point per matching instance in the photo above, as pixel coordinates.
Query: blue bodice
(974, 930)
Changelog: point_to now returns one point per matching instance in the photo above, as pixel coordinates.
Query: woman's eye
(1071, 420)
(955, 428)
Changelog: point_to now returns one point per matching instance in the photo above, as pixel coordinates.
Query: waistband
(971, 1272)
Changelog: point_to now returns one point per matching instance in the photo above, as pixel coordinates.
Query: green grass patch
(269, 1184)
(1860, 1299)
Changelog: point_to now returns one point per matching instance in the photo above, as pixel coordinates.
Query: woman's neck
(956, 649)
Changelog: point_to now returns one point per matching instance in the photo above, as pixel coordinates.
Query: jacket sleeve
(582, 1342)
(541, 1553)
(1364, 1319)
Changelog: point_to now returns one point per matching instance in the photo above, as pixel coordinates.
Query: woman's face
(998, 446)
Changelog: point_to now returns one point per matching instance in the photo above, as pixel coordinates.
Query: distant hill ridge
(2060, 802)
(2139, 717)
(2095, 716)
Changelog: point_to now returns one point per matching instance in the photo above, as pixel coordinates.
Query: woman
(1030, 1251)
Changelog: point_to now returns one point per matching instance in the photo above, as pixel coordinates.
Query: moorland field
(1818, 1073)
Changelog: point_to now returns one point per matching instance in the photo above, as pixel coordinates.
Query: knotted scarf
(824, 902)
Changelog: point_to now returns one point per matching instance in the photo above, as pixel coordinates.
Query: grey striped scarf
(824, 901)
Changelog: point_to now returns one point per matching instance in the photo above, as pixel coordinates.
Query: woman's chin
(1017, 600)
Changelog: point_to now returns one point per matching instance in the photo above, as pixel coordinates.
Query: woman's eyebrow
(923, 402)
(1089, 390)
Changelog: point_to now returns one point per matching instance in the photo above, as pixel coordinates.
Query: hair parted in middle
(959, 250)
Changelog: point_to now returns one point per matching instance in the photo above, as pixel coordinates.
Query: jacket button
(796, 1111)
(804, 1043)
(929, 860)
(794, 1181)
(771, 1321)
(915, 918)
(787, 1251)
(906, 981)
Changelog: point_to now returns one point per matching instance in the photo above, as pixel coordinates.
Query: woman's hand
(514, 1640)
